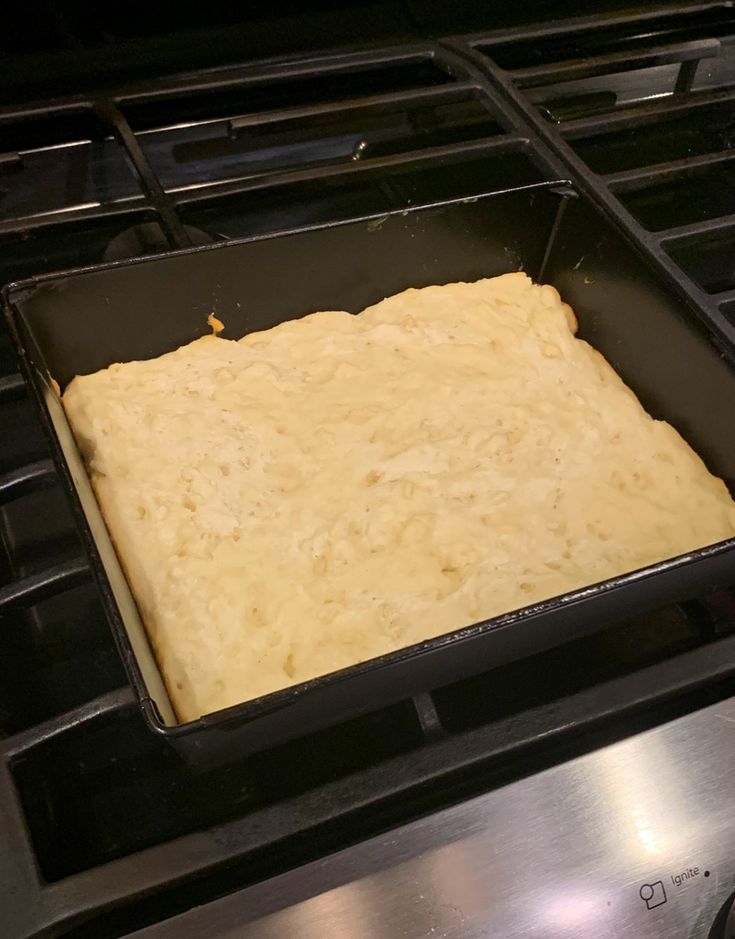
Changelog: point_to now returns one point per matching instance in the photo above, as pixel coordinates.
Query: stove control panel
(628, 842)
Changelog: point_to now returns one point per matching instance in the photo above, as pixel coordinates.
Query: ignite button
(653, 894)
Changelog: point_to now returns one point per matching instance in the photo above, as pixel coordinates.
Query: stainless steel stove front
(632, 841)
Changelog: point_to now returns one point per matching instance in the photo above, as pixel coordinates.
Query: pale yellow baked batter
(341, 486)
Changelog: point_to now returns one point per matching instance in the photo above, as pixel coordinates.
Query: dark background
(50, 48)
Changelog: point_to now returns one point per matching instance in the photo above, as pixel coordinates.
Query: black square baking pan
(83, 320)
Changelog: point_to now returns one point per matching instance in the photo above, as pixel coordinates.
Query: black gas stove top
(227, 129)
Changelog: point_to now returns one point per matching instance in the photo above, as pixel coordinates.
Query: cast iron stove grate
(641, 108)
